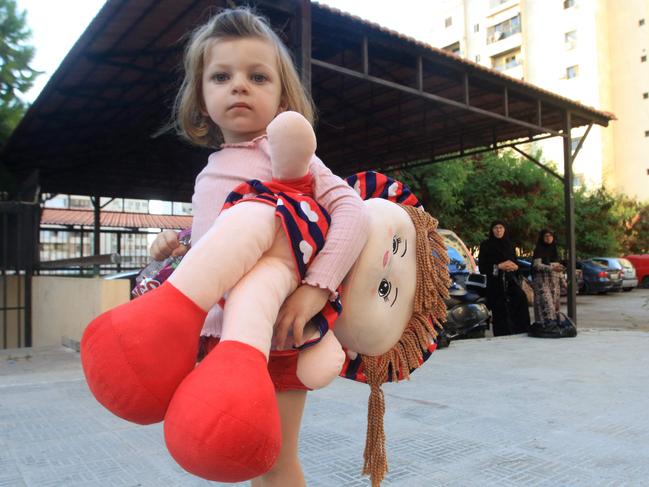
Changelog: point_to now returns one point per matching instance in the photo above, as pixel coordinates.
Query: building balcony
(503, 45)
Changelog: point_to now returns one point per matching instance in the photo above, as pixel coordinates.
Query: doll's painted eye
(384, 288)
(396, 241)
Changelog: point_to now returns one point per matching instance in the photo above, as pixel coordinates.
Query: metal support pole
(569, 205)
(97, 235)
(303, 41)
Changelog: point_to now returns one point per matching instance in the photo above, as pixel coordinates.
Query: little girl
(238, 77)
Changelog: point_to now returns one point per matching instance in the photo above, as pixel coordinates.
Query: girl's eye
(395, 244)
(220, 77)
(384, 289)
(258, 78)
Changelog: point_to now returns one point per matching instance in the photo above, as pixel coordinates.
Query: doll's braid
(429, 310)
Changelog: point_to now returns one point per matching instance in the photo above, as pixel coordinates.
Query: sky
(57, 24)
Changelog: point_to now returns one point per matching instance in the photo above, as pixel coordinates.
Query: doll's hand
(165, 245)
(296, 312)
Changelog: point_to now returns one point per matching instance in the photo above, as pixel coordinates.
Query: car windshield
(610, 263)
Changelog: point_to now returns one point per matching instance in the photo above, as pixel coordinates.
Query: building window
(476, 28)
(643, 58)
(448, 22)
(641, 22)
(568, 3)
(503, 30)
(646, 133)
(507, 60)
(477, 58)
(454, 48)
(645, 95)
(572, 72)
(570, 39)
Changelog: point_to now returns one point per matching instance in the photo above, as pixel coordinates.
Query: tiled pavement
(512, 411)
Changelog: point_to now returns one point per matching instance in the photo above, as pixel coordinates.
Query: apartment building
(592, 51)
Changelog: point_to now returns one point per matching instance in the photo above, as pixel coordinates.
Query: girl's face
(498, 231)
(242, 91)
(548, 238)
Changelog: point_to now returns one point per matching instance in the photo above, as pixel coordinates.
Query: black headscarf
(494, 250)
(546, 252)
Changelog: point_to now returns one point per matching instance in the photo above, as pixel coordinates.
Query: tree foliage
(15, 73)
(466, 195)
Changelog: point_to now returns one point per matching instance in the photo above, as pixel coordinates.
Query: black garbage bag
(563, 327)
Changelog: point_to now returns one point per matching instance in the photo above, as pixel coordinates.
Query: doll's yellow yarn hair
(429, 310)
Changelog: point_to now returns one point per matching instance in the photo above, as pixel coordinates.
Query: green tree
(466, 195)
(633, 221)
(15, 73)
(597, 227)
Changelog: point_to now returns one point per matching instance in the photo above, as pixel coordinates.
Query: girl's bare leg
(287, 471)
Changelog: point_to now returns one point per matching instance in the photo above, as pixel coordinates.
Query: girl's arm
(345, 239)
(347, 233)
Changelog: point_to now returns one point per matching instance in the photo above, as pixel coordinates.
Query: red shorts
(282, 366)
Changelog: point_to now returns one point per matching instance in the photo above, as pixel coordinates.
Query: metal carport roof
(384, 100)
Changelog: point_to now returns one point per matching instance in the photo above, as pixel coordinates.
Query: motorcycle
(467, 315)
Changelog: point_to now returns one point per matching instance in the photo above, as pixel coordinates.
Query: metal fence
(18, 237)
(58, 243)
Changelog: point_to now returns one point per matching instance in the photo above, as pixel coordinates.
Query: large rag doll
(221, 417)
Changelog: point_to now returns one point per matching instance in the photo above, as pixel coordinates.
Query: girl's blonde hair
(188, 116)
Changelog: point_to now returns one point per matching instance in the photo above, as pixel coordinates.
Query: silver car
(630, 279)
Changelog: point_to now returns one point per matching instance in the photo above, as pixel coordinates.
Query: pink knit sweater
(237, 163)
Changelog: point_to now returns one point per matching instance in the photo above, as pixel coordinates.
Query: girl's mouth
(239, 105)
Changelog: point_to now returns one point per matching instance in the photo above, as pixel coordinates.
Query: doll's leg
(222, 423)
(318, 365)
(135, 356)
(287, 471)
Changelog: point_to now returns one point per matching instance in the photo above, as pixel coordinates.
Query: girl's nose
(239, 84)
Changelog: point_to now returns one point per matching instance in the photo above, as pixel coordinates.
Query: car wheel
(627, 289)
(645, 282)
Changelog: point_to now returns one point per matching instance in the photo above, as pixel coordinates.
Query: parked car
(629, 279)
(598, 277)
(641, 264)
(615, 264)
(467, 315)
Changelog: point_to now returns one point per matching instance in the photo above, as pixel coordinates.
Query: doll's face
(378, 292)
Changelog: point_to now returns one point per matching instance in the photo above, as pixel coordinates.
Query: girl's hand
(165, 245)
(296, 312)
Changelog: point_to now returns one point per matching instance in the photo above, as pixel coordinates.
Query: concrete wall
(63, 306)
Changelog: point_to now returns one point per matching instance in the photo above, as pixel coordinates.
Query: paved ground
(506, 411)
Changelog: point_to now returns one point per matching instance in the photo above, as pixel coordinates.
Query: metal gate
(18, 253)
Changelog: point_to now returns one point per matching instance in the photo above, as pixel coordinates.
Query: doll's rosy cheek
(385, 259)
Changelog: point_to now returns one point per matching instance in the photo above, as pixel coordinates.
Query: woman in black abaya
(505, 297)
